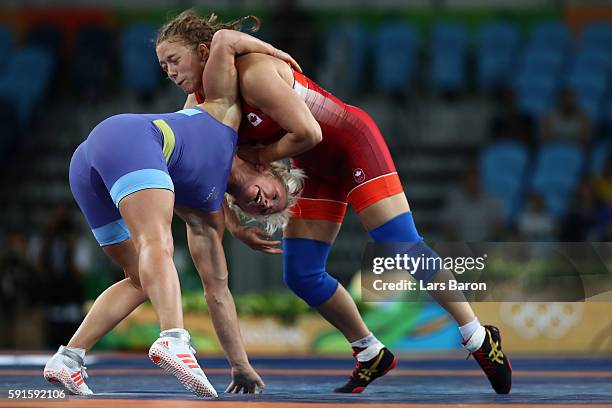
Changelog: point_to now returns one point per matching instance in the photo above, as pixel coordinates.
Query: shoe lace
(356, 370)
(365, 373)
(84, 373)
(190, 345)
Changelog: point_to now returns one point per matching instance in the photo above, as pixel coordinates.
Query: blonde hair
(293, 180)
(193, 29)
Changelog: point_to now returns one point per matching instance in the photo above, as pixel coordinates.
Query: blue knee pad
(398, 229)
(403, 229)
(304, 270)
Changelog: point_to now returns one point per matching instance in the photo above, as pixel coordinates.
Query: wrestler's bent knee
(304, 270)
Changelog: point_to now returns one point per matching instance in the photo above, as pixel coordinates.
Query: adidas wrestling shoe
(66, 370)
(367, 371)
(173, 352)
(493, 361)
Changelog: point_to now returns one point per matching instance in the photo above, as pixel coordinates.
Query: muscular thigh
(124, 254)
(319, 212)
(384, 210)
(148, 214)
(319, 230)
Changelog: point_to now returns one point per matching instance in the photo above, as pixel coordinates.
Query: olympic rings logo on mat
(533, 319)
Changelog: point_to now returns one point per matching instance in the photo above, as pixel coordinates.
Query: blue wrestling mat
(550, 381)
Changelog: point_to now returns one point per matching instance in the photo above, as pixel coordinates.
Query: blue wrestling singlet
(188, 152)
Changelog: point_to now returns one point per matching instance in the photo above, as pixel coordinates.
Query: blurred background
(498, 115)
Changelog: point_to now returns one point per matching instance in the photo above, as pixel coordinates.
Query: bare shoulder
(254, 64)
(248, 60)
(229, 115)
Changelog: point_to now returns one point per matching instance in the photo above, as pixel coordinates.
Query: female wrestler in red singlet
(346, 161)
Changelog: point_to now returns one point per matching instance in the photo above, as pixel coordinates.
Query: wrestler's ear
(203, 52)
(262, 167)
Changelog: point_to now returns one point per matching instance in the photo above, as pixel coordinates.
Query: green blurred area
(284, 307)
(393, 321)
(422, 19)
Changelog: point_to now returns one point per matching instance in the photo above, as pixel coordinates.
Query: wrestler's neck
(241, 172)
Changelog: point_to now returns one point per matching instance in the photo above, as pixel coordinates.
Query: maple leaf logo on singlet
(359, 175)
(254, 119)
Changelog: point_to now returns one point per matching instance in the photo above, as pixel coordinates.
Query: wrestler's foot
(172, 351)
(494, 362)
(66, 370)
(367, 371)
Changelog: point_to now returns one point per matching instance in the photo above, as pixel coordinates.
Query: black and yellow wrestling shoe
(367, 371)
(494, 362)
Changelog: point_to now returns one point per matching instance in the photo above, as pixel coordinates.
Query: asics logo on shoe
(366, 373)
(495, 354)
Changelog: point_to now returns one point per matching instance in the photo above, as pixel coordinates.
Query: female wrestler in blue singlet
(128, 177)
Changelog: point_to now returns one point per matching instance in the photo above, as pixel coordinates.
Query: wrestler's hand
(250, 154)
(257, 239)
(282, 55)
(245, 380)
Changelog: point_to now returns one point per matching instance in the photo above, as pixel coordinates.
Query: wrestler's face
(183, 63)
(262, 194)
